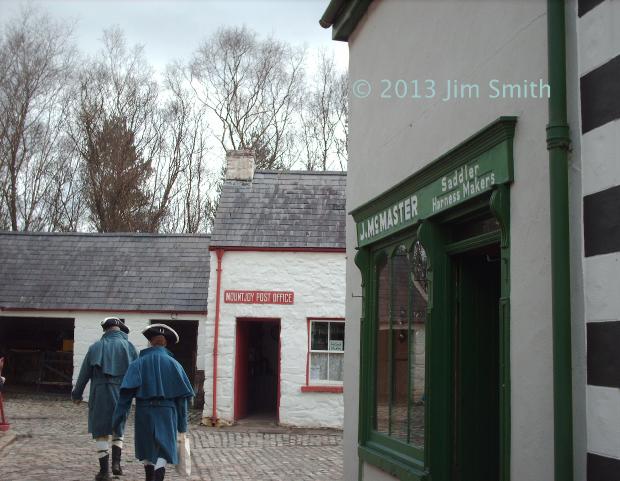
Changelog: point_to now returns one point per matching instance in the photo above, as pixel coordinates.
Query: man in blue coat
(162, 391)
(104, 366)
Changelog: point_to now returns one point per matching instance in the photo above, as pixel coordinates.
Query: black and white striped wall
(598, 32)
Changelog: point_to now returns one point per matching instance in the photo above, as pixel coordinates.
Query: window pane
(400, 344)
(319, 336)
(335, 366)
(419, 301)
(336, 336)
(318, 366)
(383, 331)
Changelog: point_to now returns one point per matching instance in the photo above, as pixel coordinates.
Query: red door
(241, 370)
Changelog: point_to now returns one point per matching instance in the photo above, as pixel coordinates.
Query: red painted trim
(276, 249)
(259, 319)
(326, 318)
(236, 388)
(308, 355)
(68, 309)
(220, 254)
(279, 369)
(332, 389)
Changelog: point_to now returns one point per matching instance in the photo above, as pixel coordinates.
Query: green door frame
(494, 146)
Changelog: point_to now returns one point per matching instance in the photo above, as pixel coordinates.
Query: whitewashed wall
(87, 330)
(318, 282)
(390, 139)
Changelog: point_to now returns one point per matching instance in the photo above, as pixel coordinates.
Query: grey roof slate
(282, 209)
(147, 272)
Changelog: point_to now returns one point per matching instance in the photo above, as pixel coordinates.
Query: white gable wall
(317, 279)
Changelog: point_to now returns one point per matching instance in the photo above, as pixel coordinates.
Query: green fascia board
(349, 17)
(501, 130)
(488, 153)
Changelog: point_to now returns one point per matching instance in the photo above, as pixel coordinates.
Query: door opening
(39, 353)
(257, 369)
(477, 278)
(186, 352)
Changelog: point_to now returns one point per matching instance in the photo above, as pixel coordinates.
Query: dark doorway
(39, 352)
(257, 368)
(476, 365)
(186, 352)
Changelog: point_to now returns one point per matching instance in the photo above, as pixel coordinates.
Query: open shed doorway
(39, 353)
(186, 352)
(257, 369)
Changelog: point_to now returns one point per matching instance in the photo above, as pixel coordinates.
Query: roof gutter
(343, 16)
(558, 145)
(331, 13)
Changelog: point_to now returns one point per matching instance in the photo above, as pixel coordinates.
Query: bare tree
(36, 64)
(191, 206)
(253, 88)
(322, 129)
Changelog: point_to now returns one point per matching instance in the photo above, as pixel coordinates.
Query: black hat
(114, 321)
(161, 330)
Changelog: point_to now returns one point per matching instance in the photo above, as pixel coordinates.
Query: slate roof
(148, 272)
(282, 209)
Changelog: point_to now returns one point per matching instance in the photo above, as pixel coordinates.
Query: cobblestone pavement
(48, 441)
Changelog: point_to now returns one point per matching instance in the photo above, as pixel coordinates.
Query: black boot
(116, 461)
(159, 474)
(104, 469)
(149, 470)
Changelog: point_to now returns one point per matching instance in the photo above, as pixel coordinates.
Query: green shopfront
(434, 254)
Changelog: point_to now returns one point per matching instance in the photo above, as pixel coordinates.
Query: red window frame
(318, 387)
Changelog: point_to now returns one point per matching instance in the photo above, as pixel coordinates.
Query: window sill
(332, 389)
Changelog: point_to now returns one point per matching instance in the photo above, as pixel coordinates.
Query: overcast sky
(173, 29)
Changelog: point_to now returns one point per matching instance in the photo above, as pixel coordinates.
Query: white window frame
(319, 382)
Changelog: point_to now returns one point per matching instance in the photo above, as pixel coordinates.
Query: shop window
(400, 360)
(326, 353)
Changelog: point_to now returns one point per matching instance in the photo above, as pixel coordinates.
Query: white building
(484, 173)
(276, 300)
(56, 288)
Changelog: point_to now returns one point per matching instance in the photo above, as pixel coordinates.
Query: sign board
(259, 297)
(457, 186)
(336, 345)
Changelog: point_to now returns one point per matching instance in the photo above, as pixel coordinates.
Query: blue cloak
(104, 366)
(162, 391)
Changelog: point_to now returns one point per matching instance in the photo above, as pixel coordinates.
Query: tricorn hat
(114, 321)
(161, 330)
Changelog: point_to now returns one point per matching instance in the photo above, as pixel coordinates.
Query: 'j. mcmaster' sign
(259, 297)
(447, 191)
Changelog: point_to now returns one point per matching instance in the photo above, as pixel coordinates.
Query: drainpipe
(220, 254)
(558, 144)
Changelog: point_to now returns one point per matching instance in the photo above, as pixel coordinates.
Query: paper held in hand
(184, 468)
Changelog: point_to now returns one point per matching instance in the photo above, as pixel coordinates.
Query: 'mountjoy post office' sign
(259, 297)
(447, 191)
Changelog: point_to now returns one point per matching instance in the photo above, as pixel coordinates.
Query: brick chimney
(239, 165)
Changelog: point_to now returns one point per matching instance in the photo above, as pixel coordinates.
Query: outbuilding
(484, 192)
(276, 302)
(55, 288)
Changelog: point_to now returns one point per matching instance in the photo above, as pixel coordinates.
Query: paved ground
(48, 441)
